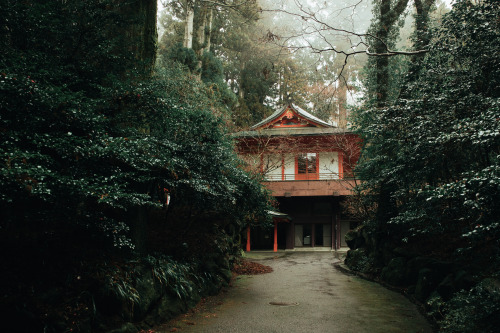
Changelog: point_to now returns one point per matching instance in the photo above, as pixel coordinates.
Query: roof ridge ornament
(290, 115)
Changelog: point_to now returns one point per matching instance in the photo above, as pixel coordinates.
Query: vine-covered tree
(433, 156)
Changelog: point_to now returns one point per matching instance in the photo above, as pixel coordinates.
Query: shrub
(477, 310)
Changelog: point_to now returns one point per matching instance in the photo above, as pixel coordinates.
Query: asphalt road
(304, 293)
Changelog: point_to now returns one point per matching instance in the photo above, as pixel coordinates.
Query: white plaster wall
(289, 166)
(328, 164)
(272, 167)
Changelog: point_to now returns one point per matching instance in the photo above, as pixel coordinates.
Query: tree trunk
(342, 98)
(204, 32)
(285, 86)
(208, 29)
(150, 34)
(241, 91)
(140, 34)
(422, 40)
(200, 33)
(200, 36)
(280, 92)
(382, 63)
(423, 9)
(188, 25)
(387, 18)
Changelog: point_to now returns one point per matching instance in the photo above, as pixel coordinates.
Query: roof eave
(316, 121)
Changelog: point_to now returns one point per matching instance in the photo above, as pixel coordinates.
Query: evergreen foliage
(384, 75)
(212, 73)
(470, 311)
(91, 149)
(185, 56)
(437, 148)
(73, 140)
(430, 167)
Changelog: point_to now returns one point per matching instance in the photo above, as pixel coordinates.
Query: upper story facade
(300, 155)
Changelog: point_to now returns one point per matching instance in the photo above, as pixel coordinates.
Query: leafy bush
(173, 276)
(431, 159)
(91, 151)
(212, 74)
(91, 148)
(184, 56)
(359, 260)
(476, 310)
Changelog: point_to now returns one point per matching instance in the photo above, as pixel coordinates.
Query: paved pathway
(305, 293)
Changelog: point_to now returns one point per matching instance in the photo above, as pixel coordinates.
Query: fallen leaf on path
(245, 267)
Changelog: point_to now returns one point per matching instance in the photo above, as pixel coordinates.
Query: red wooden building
(307, 164)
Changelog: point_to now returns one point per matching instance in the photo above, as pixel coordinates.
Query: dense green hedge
(92, 147)
(432, 159)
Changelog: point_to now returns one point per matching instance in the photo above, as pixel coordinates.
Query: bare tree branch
(224, 4)
(391, 53)
(361, 38)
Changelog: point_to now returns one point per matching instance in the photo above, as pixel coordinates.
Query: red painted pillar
(341, 165)
(248, 239)
(275, 248)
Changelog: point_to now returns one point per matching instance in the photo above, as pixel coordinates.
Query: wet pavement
(304, 293)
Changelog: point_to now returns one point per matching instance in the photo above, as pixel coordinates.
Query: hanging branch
(309, 16)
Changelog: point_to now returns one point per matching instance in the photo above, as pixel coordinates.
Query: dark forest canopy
(431, 165)
(83, 123)
(104, 161)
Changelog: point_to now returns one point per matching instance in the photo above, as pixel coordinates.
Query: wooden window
(306, 166)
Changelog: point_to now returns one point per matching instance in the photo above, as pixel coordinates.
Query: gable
(290, 116)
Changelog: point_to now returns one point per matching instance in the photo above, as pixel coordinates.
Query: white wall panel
(272, 167)
(328, 165)
(289, 167)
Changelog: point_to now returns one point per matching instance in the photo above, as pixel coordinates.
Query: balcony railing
(310, 177)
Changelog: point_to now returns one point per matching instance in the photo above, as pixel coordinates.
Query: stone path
(305, 293)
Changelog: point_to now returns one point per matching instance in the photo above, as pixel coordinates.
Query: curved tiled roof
(302, 113)
(294, 131)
